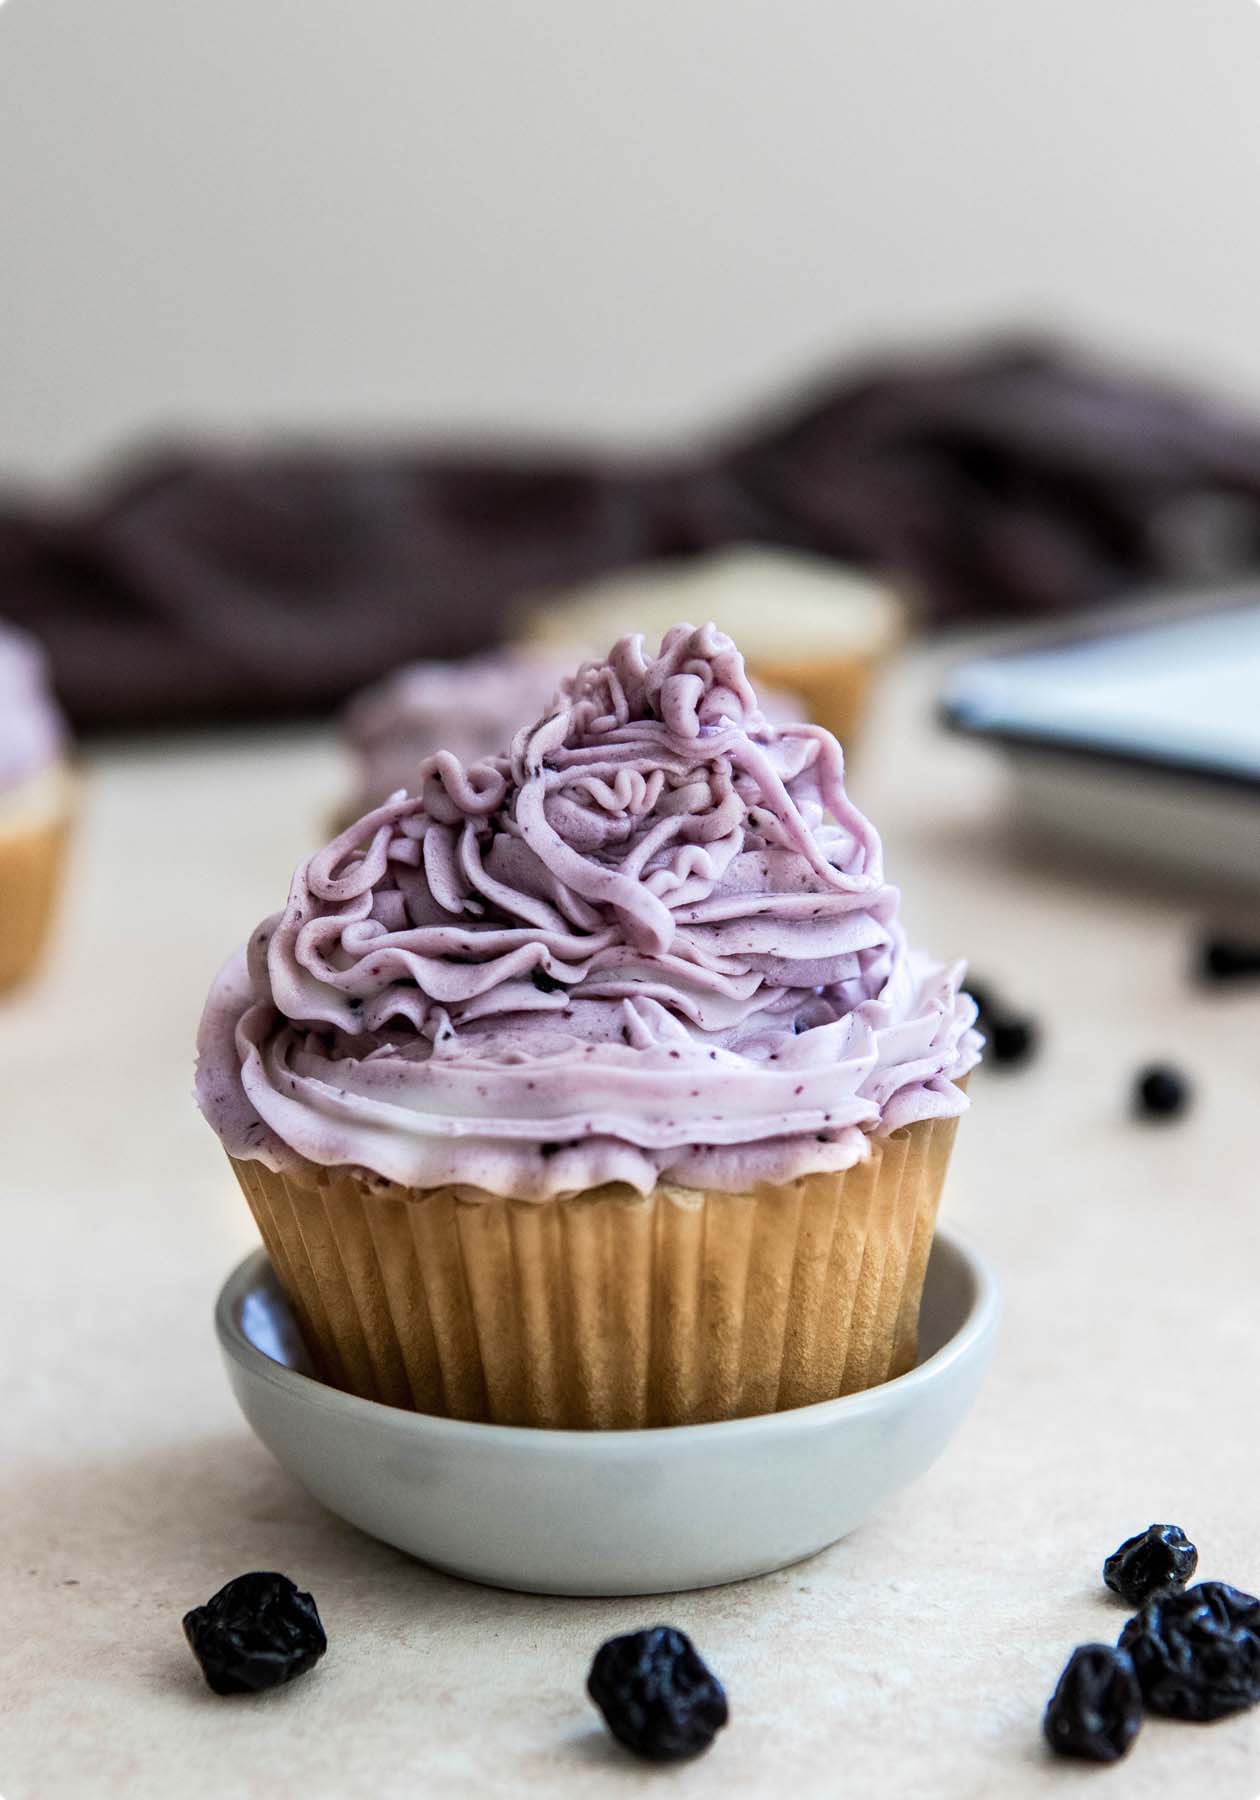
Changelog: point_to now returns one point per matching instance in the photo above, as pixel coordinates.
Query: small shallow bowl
(610, 1512)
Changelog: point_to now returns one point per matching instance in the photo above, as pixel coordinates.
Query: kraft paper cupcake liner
(806, 626)
(32, 854)
(836, 689)
(609, 1310)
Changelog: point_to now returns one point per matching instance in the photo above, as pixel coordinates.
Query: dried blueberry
(1096, 1710)
(1223, 957)
(1197, 1651)
(254, 1633)
(1160, 1092)
(1011, 1039)
(656, 1694)
(983, 997)
(1162, 1556)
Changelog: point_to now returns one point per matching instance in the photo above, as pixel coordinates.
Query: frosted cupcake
(35, 804)
(472, 708)
(594, 1085)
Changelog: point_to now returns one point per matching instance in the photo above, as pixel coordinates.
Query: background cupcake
(595, 1085)
(803, 623)
(35, 803)
(471, 707)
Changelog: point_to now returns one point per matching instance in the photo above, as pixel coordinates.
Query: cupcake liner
(835, 688)
(32, 851)
(609, 1310)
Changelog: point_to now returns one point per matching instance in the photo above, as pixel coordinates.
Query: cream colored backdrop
(607, 217)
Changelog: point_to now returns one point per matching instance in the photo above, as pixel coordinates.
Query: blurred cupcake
(803, 623)
(473, 708)
(35, 804)
(594, 1085)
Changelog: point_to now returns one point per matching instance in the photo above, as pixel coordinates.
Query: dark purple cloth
(1012, 481)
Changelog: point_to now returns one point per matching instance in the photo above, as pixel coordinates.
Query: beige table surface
(914, 1659)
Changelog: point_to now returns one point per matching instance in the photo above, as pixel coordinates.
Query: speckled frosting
(472, 708)
(32, 734)
(653, 943)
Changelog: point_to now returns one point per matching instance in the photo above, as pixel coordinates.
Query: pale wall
(615, 218)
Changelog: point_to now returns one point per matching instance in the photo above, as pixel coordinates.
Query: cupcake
(803, 623)
(35, 804)
(472, 708)
(594, 1085)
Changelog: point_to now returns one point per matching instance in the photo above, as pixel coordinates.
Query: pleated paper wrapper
(835, 688)
(609, 1310)
(32, 852)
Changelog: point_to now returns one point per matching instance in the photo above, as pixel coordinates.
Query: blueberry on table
(657, 1695)
(255, 1633)
(1223, 957)
(1096, 1710)
(1197, 1652)
(1160, 1092)
(1011, 1039)
(1162, 1556)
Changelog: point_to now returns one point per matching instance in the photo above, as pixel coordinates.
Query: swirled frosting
(653, 942)
(32, 734)
(472, 708)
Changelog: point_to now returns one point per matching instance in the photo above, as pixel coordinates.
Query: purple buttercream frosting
(32, 734)
(471, 707)
(654, 942)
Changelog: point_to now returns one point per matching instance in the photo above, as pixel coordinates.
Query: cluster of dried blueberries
(656, 1693)
(1159, 1091)
(1188, 1652)
(1220, 959)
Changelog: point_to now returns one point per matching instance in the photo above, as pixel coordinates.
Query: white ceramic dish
(1137, 737)
(614, 1512)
